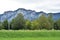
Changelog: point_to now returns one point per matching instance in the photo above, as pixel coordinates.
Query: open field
(29, 35)
(41, 38)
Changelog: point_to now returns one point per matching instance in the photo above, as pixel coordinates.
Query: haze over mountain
(28, 14)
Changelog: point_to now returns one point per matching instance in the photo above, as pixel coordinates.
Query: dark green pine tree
(5, 24)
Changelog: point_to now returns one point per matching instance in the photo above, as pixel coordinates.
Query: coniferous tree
(58, 24)
(5, 24)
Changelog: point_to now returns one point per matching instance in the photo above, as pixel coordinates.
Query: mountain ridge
(28, 14)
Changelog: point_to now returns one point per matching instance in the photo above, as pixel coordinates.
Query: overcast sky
(37, 5)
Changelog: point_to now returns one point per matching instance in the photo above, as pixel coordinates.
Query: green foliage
(18, 22)
(1, 26)
(57, 24)
(35, 24)
(43, 21)
(51, 21)
(12, 24)
(5, 24)
(28, 24)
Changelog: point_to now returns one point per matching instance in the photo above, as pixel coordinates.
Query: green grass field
(29, 35)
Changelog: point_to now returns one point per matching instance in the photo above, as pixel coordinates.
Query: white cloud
(38, 5)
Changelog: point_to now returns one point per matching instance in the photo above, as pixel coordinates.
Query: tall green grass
(41, 38)
(29, 33)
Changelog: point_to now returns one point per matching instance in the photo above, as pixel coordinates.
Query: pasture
(29, 35)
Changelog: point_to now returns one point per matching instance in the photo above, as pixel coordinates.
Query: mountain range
(28, 14)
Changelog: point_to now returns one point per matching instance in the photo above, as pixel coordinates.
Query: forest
(19, 23)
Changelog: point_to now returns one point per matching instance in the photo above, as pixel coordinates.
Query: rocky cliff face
(28, 14)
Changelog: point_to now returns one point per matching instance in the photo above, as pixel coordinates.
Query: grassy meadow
(29, 35)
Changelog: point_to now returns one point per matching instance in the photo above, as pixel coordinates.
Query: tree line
(19, 23)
